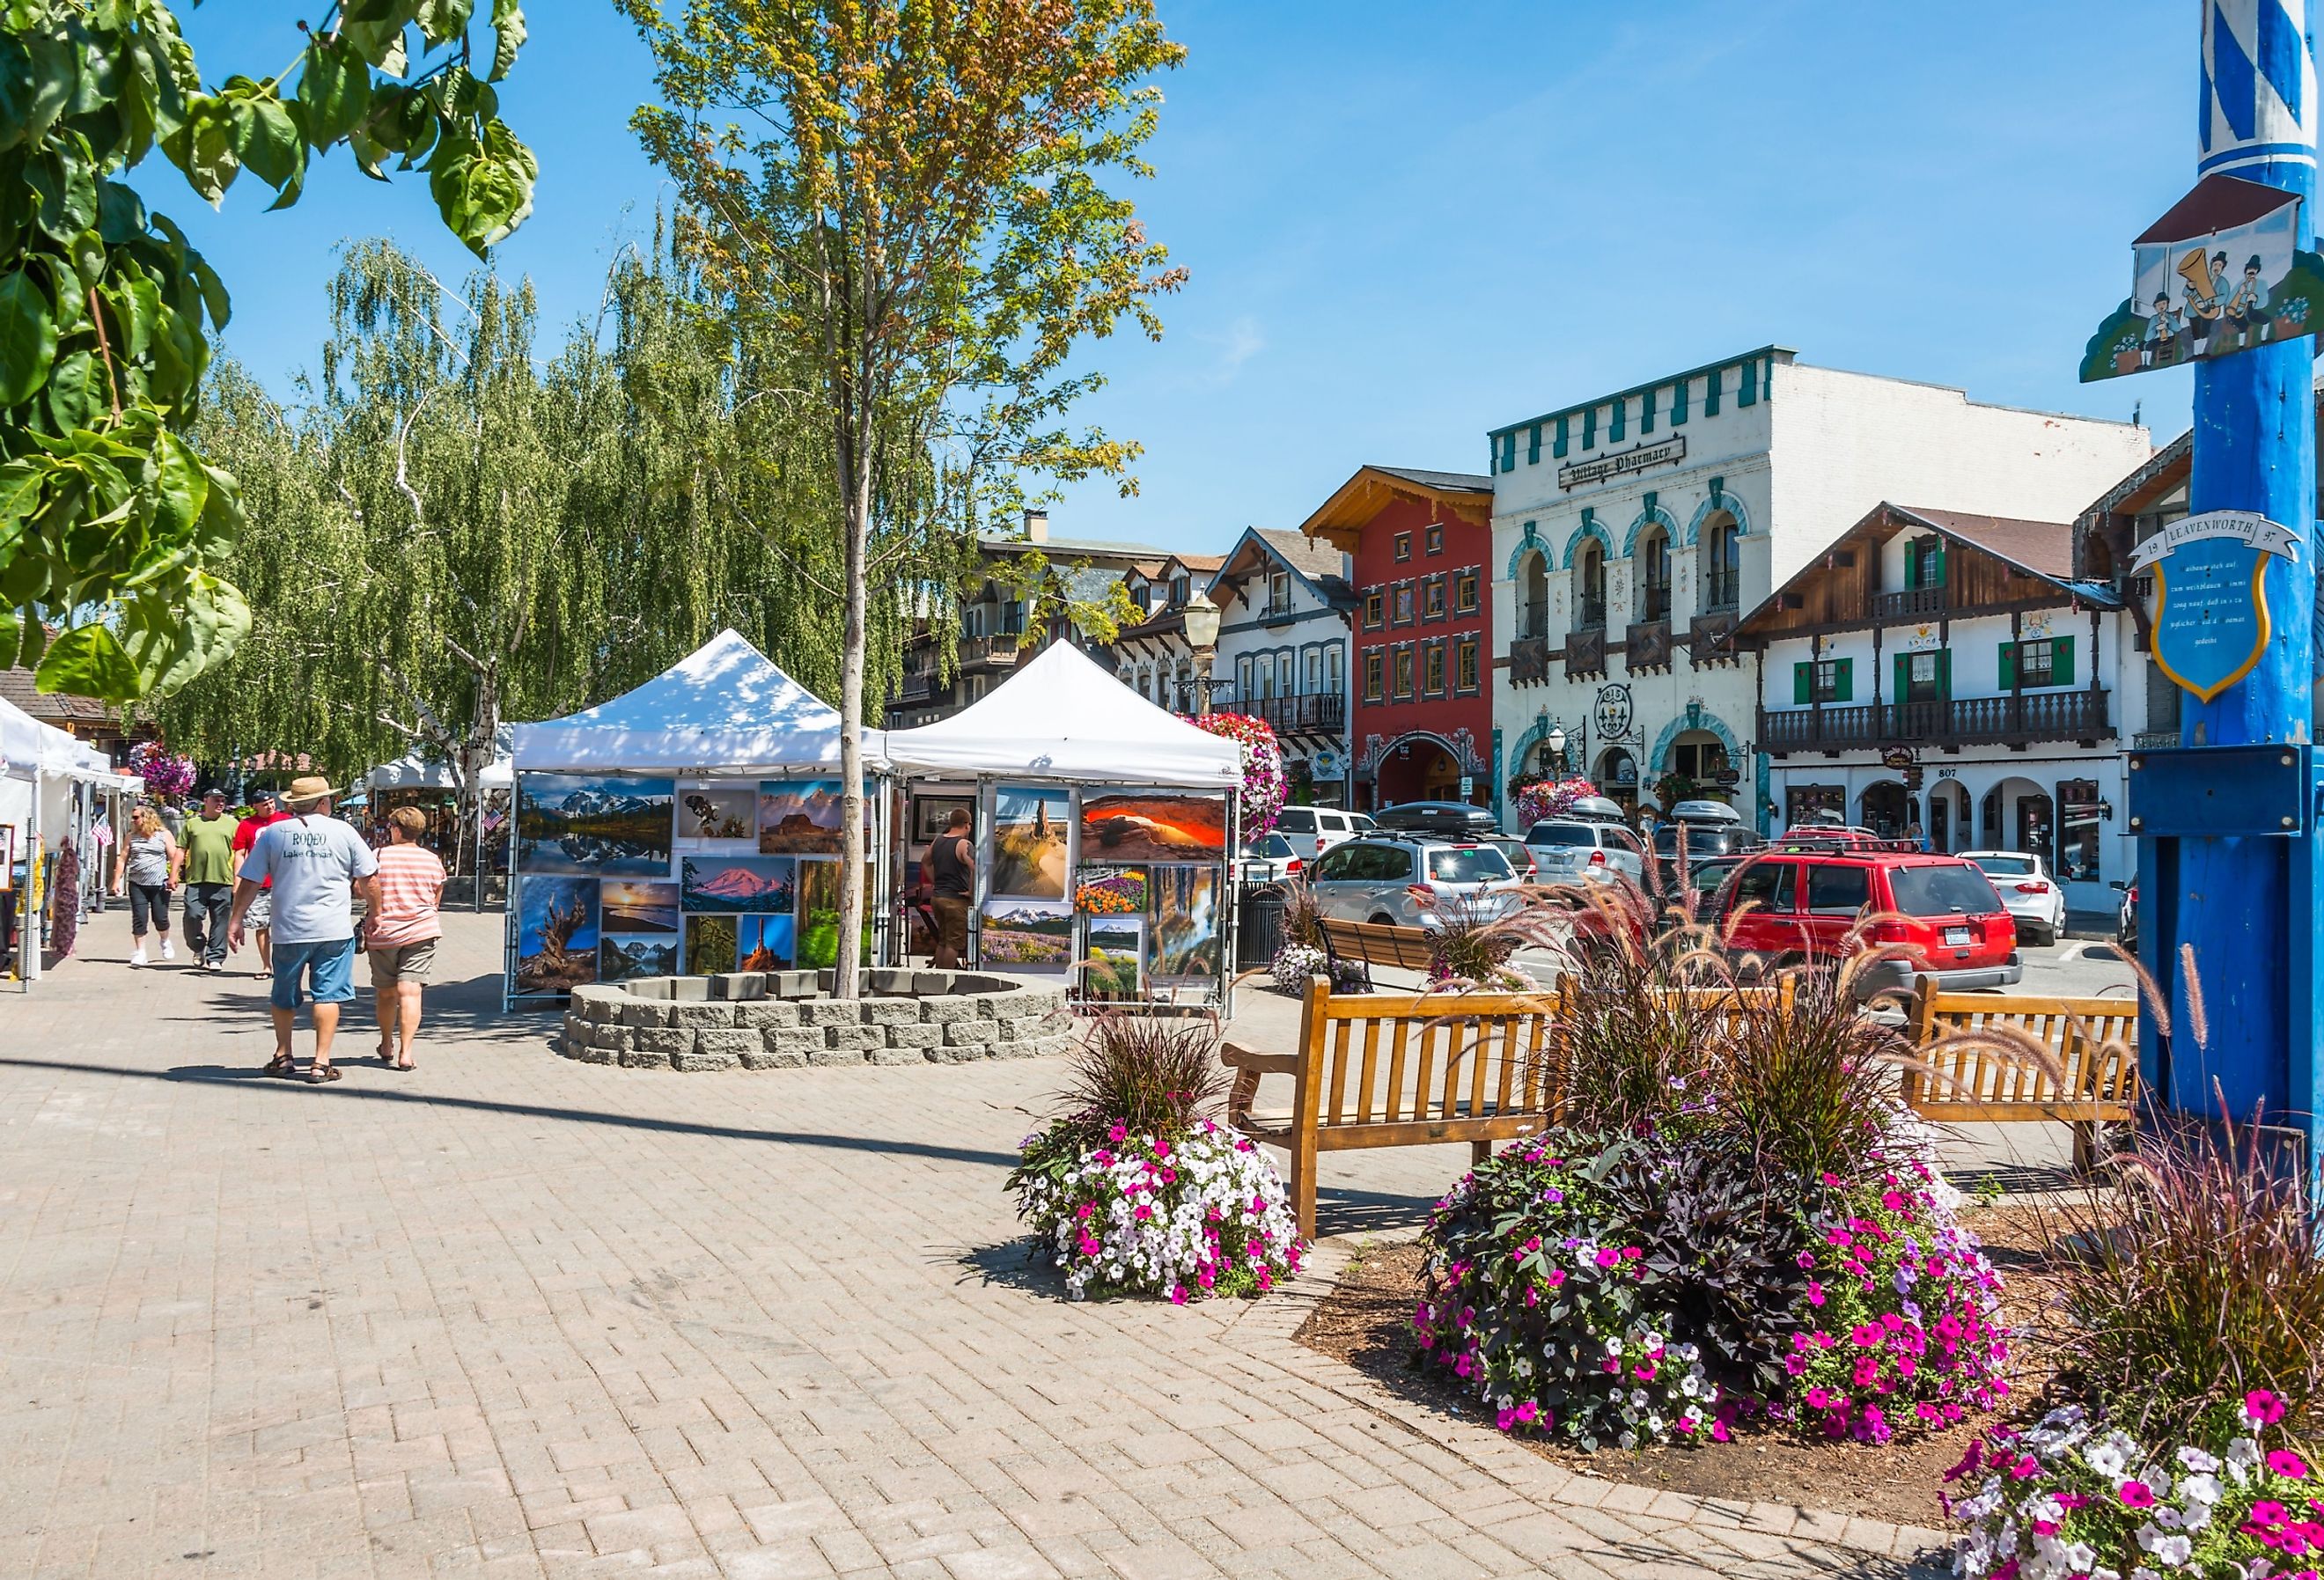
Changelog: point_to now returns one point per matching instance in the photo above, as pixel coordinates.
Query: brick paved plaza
(511, 1315)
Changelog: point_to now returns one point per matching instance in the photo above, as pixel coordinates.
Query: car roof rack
(1840, 844)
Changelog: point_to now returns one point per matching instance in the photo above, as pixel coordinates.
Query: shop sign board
(2211, 595)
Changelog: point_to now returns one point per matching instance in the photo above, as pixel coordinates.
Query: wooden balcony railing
(990, 650)
(1704, 635)
(1911, 603)
(1964, 721)
(1646, 645)
(1528, 660)
(1585, 651)
(1320, 712)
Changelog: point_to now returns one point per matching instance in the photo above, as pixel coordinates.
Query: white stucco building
(1632, 531)
(1284, 601)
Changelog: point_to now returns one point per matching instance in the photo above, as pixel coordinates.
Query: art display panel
(799, 816)
(1027, 935)
(1110, 890)
(762, 884)
(1031, 824)
(557, 934)
(719, 819)
(1113, 968)
(1153, 826)
(630, 905)
(1186, 931)
(623, 956)
(766, 943)
(594, 824)
(713, 944)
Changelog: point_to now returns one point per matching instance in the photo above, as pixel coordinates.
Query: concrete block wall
(783, 1020)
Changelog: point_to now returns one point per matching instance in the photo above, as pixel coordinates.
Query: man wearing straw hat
(318, 865)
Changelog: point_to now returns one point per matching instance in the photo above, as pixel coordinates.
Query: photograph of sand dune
(1030, 824)
(1153, 827)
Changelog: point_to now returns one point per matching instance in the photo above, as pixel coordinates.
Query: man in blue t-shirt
(318, 866)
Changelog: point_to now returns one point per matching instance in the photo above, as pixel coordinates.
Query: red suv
(1951, 922)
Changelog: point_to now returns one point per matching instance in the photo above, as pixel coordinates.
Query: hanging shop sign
(1897, 759)
(2211, 595)
(1612, 712)
(1641, 457)
(2221, 272)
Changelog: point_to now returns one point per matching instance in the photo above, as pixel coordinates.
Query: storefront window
(2078, 830)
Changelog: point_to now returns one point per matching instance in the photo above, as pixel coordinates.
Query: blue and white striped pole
(2249, 905)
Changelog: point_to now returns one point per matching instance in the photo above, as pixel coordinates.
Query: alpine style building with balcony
(1286, 603)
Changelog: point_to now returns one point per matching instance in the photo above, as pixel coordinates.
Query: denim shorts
(328, 967)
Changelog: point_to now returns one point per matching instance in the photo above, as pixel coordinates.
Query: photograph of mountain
(619, 959)
(718, 818)
(626, 905)
(1027, 935)
(766, 943)
(799, 817)
(1153, 827)
(1111, 963)
(1186, 922)
(1029, 841)
(581, 823)
(711, 944)
(767, 884)
(557, 934)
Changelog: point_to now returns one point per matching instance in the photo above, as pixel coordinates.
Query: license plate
(1956, 938)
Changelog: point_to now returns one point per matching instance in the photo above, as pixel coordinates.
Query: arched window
(1653, 574)
(1533, 581)
(1590, 586)
(1722, 563)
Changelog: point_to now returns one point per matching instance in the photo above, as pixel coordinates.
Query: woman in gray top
(147, 868)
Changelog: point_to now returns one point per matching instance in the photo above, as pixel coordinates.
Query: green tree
(917, 209)
(113, 526)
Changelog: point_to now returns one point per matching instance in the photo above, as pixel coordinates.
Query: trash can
(1258, 928)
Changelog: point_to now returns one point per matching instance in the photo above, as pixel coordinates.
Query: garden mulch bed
(1366, 1321)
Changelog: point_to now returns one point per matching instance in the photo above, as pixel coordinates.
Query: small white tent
(1061, 717)
(725, 708)
(417, 770)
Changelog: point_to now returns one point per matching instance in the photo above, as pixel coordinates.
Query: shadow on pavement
(1011, 1265)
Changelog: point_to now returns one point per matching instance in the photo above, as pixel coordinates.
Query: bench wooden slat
(1397, 1035)
(2094, 1041)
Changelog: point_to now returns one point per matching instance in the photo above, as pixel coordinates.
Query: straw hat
(307, 790)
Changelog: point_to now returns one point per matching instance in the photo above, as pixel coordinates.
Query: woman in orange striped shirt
(401, 932)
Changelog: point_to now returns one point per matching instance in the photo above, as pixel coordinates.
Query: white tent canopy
(415, 770)
(29, 748)
(723, 709)
(1061, 717)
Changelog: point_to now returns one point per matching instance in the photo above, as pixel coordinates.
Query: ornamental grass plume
(1155, 1075)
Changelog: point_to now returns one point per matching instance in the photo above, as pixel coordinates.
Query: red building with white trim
(1421, 683)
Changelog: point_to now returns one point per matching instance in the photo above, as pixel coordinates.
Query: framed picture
(768, 884)
(1110, 890)
(766, 943)
(1153, 827)
(557, 934)
(799, 816)
(7, 857)
(1111, 969)
(1027, 935)
(1185, 936)
(722, 818)
(930, 814)
(711, 944)
(623, 957)
(575, 823)
(1029, 824)
(630, 905)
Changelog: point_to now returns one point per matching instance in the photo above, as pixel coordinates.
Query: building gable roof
(1317, 564)
(1354, 504)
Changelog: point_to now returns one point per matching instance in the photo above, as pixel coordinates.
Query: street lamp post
(1202, 617)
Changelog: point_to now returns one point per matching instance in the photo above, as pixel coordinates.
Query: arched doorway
(1949, 829)
(1419, 768)
(1617, 777)
(1700, 757)
(2019, 815)
(1881, 809)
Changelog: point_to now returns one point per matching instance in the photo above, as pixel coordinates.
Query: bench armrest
(1257, 1063)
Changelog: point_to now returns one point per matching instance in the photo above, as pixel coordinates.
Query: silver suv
(1576, 850)
(1405, 879)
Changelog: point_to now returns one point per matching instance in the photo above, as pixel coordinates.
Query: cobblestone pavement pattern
(511, 1315)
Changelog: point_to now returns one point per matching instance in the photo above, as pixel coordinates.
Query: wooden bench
(1399, 1070)
(2094, 1041)
(1377, 943)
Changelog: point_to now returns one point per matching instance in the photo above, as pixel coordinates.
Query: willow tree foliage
(114, 526)
(910, 198)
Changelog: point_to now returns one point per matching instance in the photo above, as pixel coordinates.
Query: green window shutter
(1558, 448)
(2061, 661)
(1590, 428)
(1678, 402)
(2009, 666)
(1945, 672)
(1903, 678)
(1509, 451)
(1711, 392)
(1748, 393)
(1803, 684)
(1615, 424)
(1912, 565)
(1938, 580)
(1532, 447)
(1843, 681)
(1647, 413)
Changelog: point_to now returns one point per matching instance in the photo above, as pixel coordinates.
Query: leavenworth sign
(1636, 458)
(2211, 595)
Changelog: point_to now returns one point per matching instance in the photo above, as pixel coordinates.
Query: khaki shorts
(403, 962)
(951, 923)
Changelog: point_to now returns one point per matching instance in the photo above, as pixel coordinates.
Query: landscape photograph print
(1186, 923)
(799, 816)
(765, 943)
(557, 934)
(1112, 958)
(621, 958)
(1029, 825)
(1109, 891)
(628, 905)
(1027, 935)
(1153, 827)
(596, 824)
(717, 817)
(766, 883)
(711, 944)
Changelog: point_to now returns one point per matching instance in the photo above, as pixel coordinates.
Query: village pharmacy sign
(1636, 458)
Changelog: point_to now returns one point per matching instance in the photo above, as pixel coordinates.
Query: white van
(1313, 830)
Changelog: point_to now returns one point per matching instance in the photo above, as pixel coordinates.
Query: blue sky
(1408, 224)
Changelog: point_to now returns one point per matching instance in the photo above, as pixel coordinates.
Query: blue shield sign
(2210, 596)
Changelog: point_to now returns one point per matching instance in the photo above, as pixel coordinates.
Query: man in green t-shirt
(206, 858)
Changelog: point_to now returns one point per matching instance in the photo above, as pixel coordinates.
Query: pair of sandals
(388, 1060)
(283, 1067)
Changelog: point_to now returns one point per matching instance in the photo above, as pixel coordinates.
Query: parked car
(1267, 858)
(2126, 921)
(1949, 921)
(1520, 854)
(1313, 830)
(2024, 885)
(1704, 841)
(1404, 879)
(1445, 819)
(1573, 850)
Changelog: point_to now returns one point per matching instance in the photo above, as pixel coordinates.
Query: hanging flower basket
(1264, 785)
(1550, 797)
